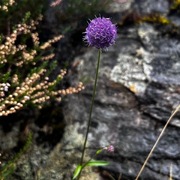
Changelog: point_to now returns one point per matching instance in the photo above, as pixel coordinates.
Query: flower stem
(90, 112)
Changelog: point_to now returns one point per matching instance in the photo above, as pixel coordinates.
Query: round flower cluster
(100, 33)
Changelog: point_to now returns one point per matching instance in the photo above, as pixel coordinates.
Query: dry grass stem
(161, 134)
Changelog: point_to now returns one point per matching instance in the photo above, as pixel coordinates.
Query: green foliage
(16, 12)
(93, 163)
(25, 61)
(9, 167)
(175, 4)
(5, 77)
(90, 162)
(26, 17)
(77, 171)
(99, 151)
(97, 163)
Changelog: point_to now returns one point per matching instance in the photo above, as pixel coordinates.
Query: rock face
(138, 87)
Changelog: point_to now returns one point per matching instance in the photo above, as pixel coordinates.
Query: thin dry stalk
(162, 132)
(171, 173)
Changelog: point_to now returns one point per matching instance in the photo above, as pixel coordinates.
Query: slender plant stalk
(170, 173)
(90, 112)
(162, 132)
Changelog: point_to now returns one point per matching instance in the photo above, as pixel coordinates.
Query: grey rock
(152, 6)
(119, 6)
(63, 159)
(138, 87)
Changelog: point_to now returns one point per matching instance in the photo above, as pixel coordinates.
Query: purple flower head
(100, 33)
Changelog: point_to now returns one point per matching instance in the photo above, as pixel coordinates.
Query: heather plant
(15, 11)
(26, 64)
(100, 33)
(29, 75)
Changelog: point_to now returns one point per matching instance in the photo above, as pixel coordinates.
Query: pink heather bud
(109, 148)
(55, 3)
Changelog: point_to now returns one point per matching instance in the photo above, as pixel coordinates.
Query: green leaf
(99, 151)
(6, 77)
(97, 163)
(77, 171)
(27, 17)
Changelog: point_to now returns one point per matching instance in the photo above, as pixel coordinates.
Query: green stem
(90, 113)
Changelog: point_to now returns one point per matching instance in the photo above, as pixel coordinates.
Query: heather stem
(90, 112)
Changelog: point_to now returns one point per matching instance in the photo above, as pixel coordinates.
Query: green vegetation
(9, 167)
